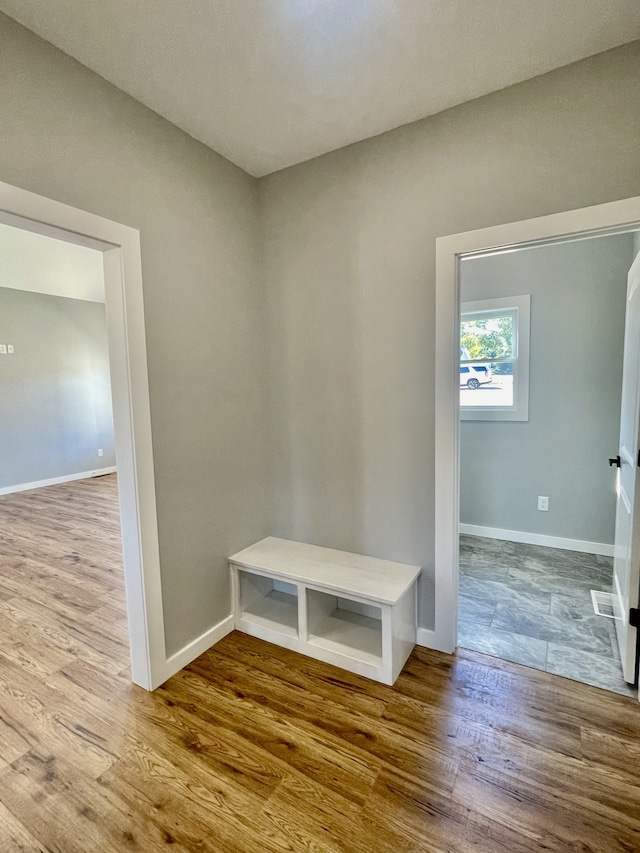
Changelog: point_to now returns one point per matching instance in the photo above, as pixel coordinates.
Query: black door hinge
(634, 617)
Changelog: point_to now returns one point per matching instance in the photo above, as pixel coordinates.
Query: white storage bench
(355, 612)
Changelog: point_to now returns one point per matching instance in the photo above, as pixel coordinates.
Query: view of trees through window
(494, 358)
(487, 356)
(489, 339)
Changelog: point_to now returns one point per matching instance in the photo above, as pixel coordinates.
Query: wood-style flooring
(253, 748)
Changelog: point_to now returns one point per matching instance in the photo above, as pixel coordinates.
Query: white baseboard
(580, 545)
(431, 640)
(424, 637)
(54, 481)
(196, 647)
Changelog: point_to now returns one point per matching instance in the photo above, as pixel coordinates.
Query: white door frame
(614, 217)
(120, 246)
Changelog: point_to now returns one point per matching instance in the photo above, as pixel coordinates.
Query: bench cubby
(269, 602)
(349, 610)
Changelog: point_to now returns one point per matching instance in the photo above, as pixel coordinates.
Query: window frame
(521, 307)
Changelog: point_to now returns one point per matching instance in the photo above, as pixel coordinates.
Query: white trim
(614, 217)
(197, 647)
(519, 410)
(54, 481)
(580, 545)
(432, 640)
(120, 245)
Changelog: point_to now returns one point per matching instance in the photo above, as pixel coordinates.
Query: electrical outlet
(543, 503)
(100, 452)
(3, 349)
(10, 349)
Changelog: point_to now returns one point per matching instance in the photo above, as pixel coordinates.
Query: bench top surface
(339, 571)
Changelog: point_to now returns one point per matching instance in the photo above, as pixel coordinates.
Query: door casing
(610, 218)
(120, 247)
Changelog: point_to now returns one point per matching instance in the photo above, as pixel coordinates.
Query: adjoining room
(542, 342)
(61, 573)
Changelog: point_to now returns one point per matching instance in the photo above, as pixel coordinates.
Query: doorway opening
(469, 463)
(61, 573)
(546, 324)
(119, 252)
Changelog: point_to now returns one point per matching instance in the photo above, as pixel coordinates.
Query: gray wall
(349, 247)
(69, 135)
(55, 395)
(578, 294)
(348, 250)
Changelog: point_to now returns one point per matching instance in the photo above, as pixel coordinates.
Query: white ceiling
(270, 83)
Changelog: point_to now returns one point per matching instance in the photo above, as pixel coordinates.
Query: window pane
(487, 337)
(484, 337)
(492, 389)
(494, 336)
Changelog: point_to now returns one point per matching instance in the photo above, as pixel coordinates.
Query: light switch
(10, 349)
(3, 349)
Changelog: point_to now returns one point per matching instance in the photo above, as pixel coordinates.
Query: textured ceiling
(270, 83)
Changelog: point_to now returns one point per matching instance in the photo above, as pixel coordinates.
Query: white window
(494, 359)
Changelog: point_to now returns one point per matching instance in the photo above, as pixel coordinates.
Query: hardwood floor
(253, 748)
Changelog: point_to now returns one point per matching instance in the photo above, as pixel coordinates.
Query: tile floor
(532, 605)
